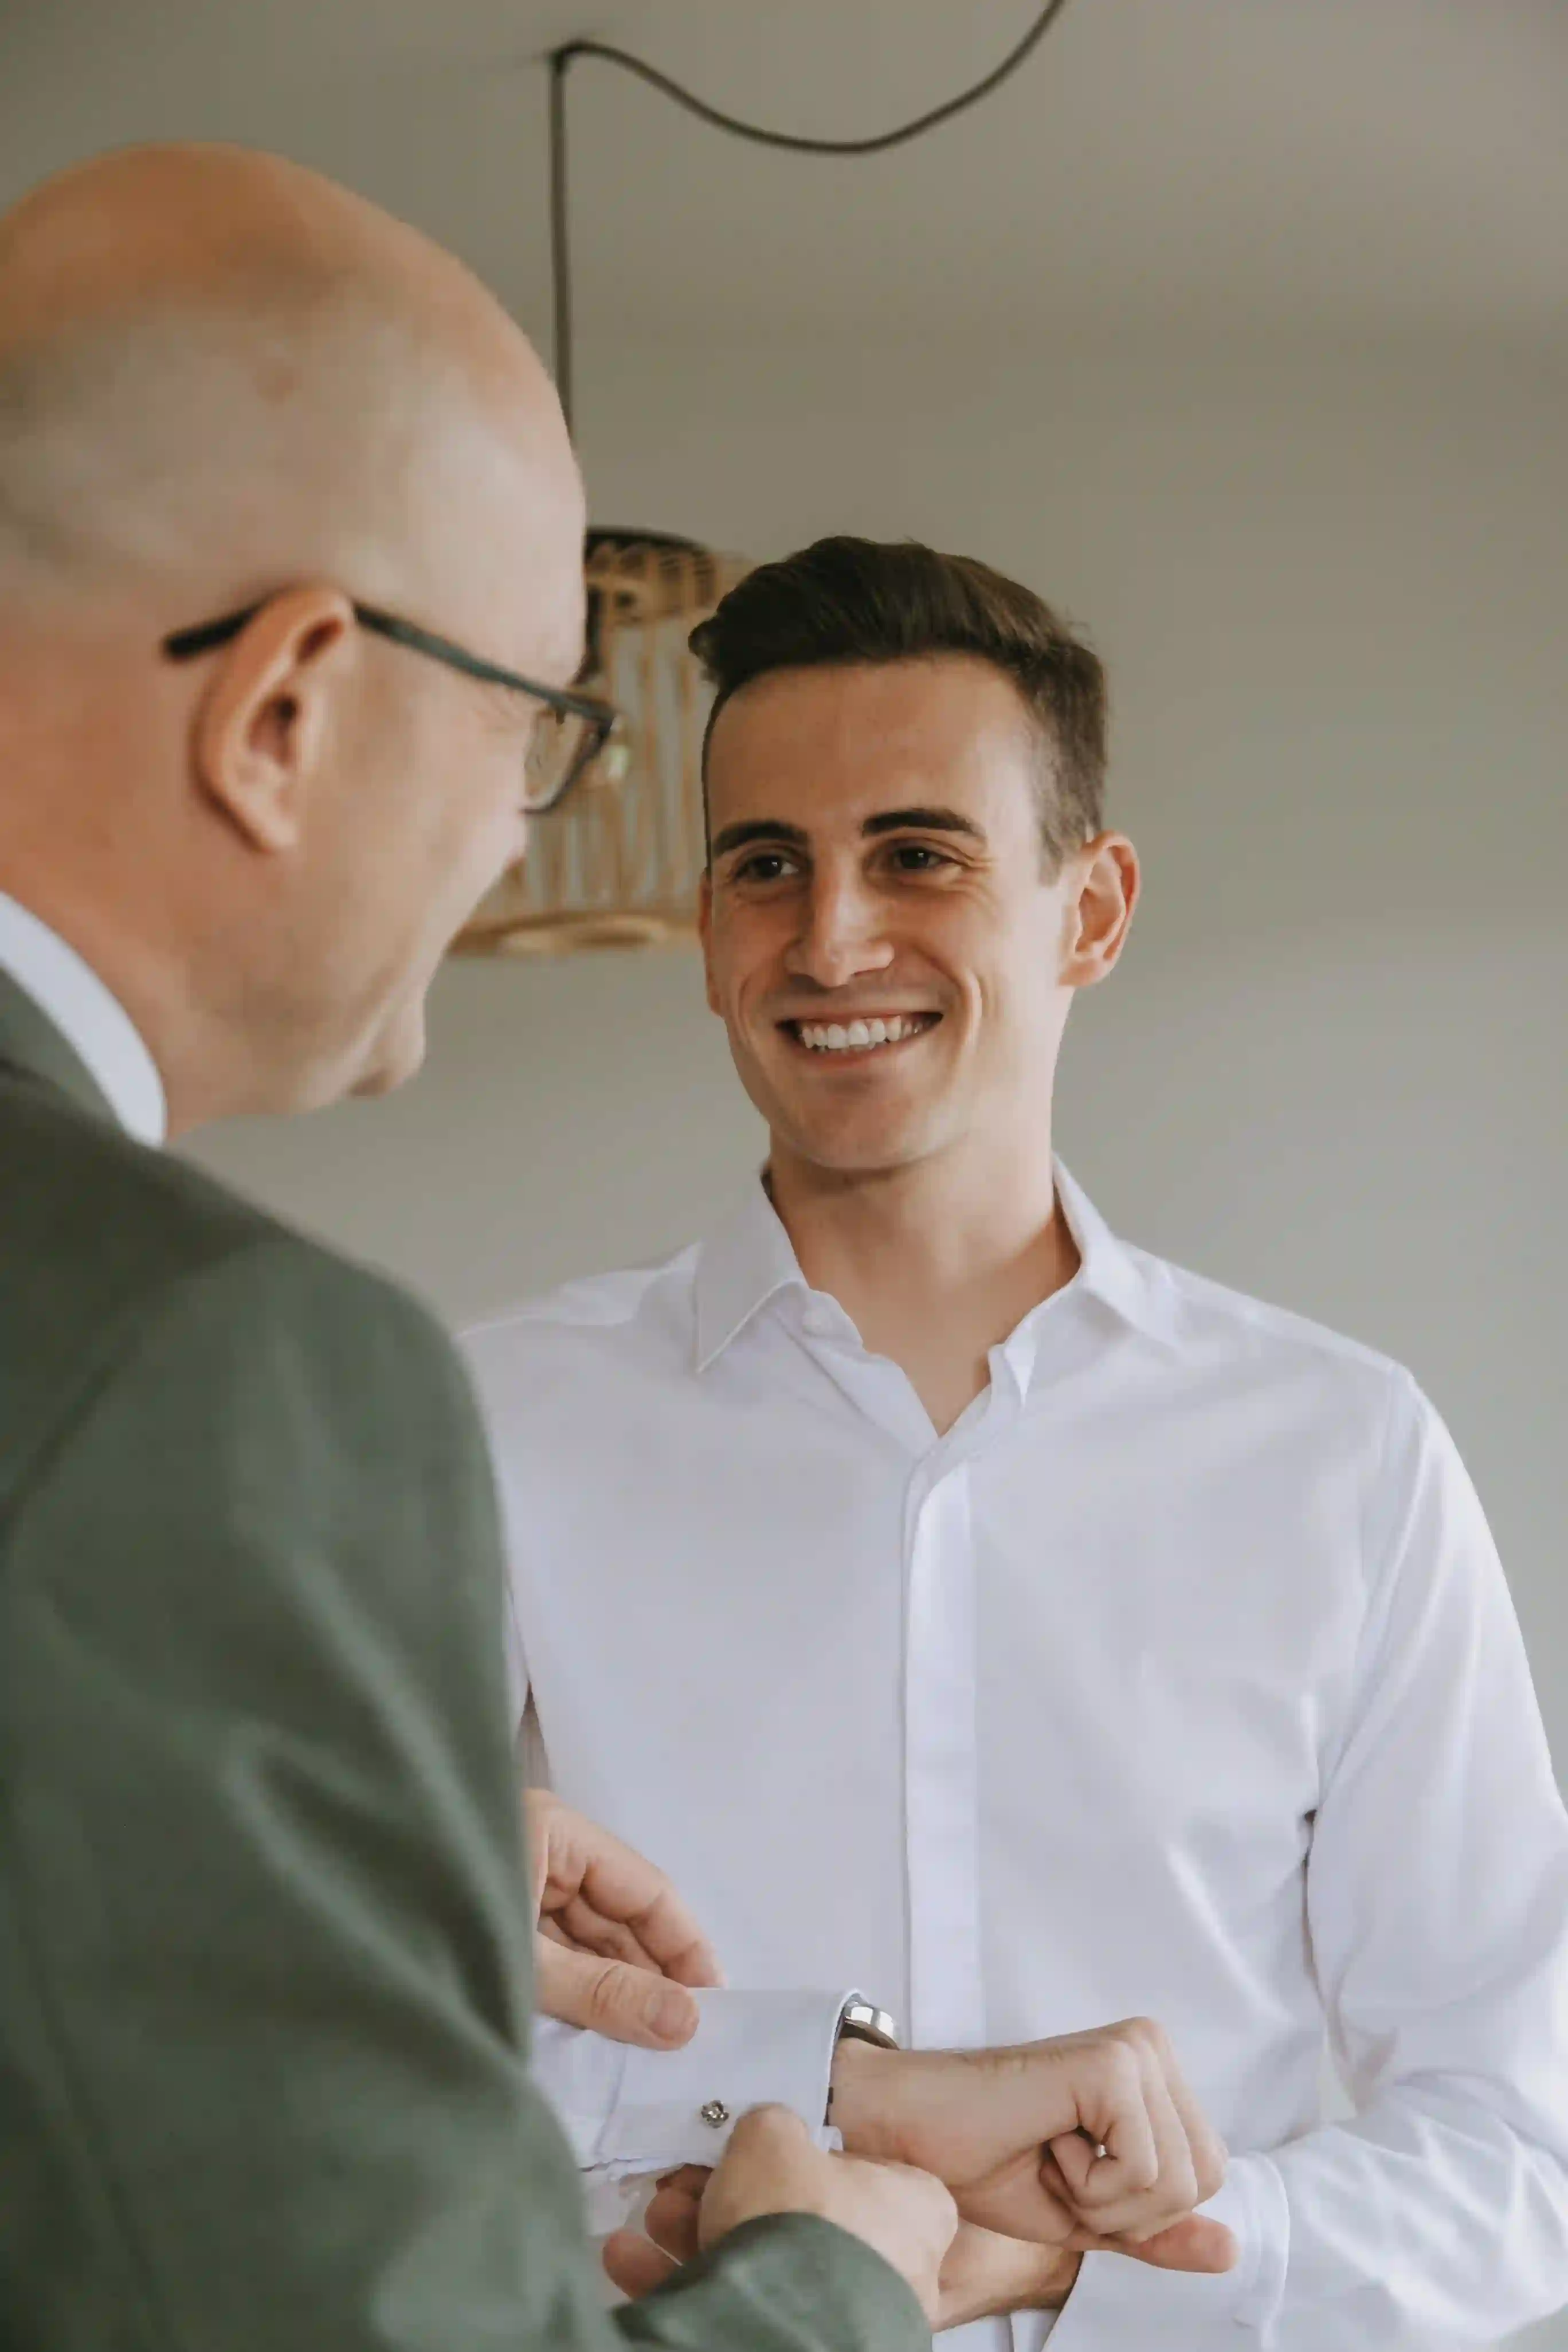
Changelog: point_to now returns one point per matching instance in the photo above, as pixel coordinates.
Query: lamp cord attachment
(793, 143)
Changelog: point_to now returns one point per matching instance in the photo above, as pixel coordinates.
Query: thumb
(612, 1998)
(1193, 2244)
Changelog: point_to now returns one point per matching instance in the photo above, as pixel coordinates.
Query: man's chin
(385, 1079)
(398, 1055)
(849, 1150)
(847, 1139)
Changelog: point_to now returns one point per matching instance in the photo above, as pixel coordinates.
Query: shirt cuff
(1120, 2301)
(629, 2111)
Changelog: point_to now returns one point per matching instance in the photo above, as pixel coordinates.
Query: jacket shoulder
(100, 1236)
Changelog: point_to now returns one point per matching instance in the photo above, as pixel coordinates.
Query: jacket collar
(87, 1020)
(30, 1044)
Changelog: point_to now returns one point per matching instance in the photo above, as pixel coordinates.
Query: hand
(772, 2166)
(1014, 2133)
(614, 1944)
(980, 2274)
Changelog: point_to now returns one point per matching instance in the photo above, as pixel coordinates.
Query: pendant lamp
(619, 864)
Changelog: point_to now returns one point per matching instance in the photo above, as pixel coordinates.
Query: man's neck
(934, 1264)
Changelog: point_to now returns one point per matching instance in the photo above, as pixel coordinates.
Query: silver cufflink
(715, 2113)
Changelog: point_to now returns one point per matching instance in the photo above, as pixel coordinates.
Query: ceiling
(1328, 168)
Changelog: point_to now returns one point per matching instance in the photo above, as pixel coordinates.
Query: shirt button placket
(947, 2003)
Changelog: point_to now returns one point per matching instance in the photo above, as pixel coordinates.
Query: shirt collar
(751, 1260)
(1125, 1279)
(738, 1268)
(91, 1020)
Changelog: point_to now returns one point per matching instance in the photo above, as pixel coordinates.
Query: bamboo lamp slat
(620, 865)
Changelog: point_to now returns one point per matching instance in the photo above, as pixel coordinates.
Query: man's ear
(261, 726)
(1100, 907)
(705, 933)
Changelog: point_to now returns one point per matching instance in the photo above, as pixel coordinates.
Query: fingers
(691, 2178)
(1149, 2175)
(770, 2166)
(608, 1897)
(576, 1922)
(1145, 2178)
(1208, 2150)
(634, 2264)
(1024, 2198)
(673, 2218)
(773, 2166)
(1084, 2138)
(1124, 2109)
(766, 2135)
(610, 1997)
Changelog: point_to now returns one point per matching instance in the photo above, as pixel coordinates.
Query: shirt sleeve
(629, 2111)
(1437, 1906)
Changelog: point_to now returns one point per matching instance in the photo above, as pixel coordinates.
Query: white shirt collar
(91, 1020)
(751, 1260)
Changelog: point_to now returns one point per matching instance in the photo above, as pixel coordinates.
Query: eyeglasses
(573, 729)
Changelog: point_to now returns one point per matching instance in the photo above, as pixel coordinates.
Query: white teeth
(856, 1036)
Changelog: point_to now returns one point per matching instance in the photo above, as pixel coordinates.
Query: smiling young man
(1078, 1637)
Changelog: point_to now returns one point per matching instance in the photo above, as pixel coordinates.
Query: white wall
(1333, 593)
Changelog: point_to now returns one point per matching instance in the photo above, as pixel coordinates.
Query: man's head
(904, 776)
(225, 382)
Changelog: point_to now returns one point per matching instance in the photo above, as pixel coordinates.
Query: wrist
(1064, 2279)
(865, 2098)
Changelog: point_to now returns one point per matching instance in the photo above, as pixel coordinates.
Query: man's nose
(842, 935)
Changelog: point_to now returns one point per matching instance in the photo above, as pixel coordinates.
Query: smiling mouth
(844, 1040)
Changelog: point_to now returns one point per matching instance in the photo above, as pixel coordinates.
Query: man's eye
(767, 865)
(917, 857)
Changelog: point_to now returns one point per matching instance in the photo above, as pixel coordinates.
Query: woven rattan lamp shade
(620, 865)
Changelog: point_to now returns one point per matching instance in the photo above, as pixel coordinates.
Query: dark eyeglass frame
(601, 719)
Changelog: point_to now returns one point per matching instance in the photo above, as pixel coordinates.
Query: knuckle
(607, 1992)
(1124, 2075)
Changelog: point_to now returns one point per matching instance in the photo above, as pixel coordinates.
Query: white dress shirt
(91, 1020)
(626, 2112)
(1179, 1678)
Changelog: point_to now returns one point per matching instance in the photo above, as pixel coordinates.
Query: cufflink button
(715, 2113)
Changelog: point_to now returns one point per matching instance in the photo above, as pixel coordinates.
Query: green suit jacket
(264, 1937)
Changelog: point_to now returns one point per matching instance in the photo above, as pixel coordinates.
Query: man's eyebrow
(758, 828)
(924, 820)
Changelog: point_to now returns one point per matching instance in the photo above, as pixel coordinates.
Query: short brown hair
(845, 600)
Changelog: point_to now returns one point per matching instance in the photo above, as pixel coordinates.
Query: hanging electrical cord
(564, 59)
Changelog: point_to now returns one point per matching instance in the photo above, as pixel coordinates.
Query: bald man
(291, 598)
